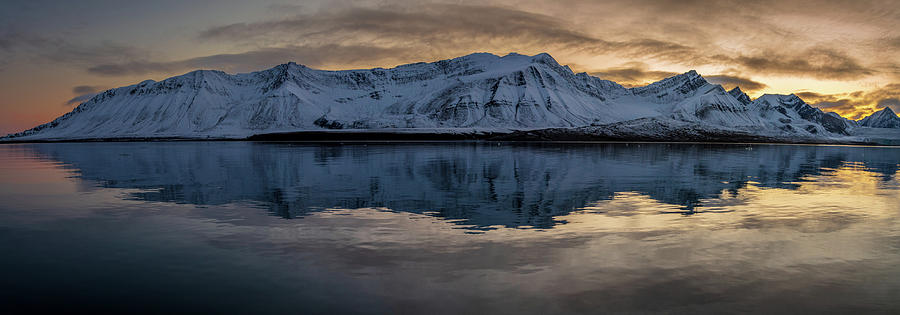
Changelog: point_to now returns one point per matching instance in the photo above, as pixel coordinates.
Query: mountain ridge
(885, 118)
(475, 91)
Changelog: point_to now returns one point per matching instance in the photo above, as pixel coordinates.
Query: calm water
(448, 228)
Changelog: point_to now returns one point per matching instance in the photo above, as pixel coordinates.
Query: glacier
(512, 97)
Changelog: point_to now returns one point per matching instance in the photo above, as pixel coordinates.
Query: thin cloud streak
(730, 81)
(83, 93)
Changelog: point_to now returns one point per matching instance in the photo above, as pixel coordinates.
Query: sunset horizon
(837, 56)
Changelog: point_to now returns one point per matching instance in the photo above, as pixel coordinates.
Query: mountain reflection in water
(476, 184)
(448, 228)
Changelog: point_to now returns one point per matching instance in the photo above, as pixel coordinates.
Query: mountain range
(478, 95)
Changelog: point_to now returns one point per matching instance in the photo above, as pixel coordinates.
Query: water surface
(451, 227)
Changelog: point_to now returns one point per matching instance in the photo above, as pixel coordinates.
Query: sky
(841, 56)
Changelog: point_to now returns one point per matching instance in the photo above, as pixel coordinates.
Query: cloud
(637, 74)
(83, 93)
(437, 31)
(79, 99)
(858, 104)
(369, 34)
(368, 37)
(729, 82)
(893, 103)
(818, 62)
(632, 74)
(56, 50)
(442, 31)
(313, 56)
(436, 24)
(813, 97)
(85, 89)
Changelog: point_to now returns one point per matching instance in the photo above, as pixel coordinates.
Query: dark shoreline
(532, 136)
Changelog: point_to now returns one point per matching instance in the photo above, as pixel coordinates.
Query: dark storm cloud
(729, 82)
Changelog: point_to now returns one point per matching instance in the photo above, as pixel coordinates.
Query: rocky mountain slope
(885, 118)
(474, 92)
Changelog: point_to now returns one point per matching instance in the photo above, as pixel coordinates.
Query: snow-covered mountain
(474, 92)
(790, 113)
(885, 118)
(740, 95)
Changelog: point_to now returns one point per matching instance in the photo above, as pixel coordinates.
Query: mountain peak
(285, 66)
(543, 56)
(689, 76)
(513, 59)
(740, 95)
(684, 77)
(682, 84)
(885, 118)
(783, 98)
(539, 58)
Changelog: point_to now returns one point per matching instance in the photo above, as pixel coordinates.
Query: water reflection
(476, 184)
(448, 228)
